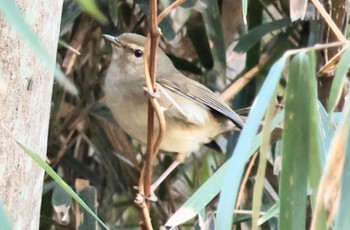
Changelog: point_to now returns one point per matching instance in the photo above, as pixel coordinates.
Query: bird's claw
(154, 94)
(152, 197)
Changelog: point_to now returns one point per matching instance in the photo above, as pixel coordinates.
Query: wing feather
(202, 96)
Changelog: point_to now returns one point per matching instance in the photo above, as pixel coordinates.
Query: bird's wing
(179, 108)
(201, 95)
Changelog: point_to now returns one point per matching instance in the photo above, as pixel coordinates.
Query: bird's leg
(164, 175)
(155, 184)
(180, 158)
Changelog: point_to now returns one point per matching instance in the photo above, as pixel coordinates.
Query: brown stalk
(76, 43)
(150, 78)
(233, 89)
(167, 10)
(245, 179)
(153, 107)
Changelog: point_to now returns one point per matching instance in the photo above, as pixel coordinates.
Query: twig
(231, 91)
(153, 107)
(77, 42)
(329, 21)
(167, 10)
(245, 179)
(150, 78)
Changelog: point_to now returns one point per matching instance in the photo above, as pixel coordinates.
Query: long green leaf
(59, 180)
(300, 140)
(240, 156)
(248, 40)
(197, 202)
(260, 176)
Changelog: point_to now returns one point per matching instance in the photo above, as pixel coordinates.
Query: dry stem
(153, 107)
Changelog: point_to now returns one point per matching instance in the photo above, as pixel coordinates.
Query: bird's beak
(114, 40)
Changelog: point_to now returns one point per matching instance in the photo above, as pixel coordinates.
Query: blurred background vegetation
(210, 42)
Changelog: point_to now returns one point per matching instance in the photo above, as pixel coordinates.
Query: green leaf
(165, 25)
(61, 202)
(48, 186)
(240, 156)
(197, 202)
(212, 21)
(248, 40)
(91, 8)
(4, 219)
(14, 17)
(326, 131)
(88, 194)
(337, 84)
(59, 180)
(113, 11)
(300, 140)
(260, 175)
(200, 42)
(167, 29)
(272, 212)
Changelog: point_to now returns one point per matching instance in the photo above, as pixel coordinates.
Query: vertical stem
(154, 37)
(153, 108)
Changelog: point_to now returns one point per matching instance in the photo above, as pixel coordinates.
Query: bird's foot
(152, 197)
(154, 94)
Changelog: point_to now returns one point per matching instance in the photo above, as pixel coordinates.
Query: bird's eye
(138, 53)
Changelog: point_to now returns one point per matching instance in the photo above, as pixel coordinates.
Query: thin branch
(329, 21)
(245, 179)
(231, 91)
(168, 10)
(153, 107)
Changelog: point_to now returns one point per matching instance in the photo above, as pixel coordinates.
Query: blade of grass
(260, 176)
(272, 212)
(240, 156)
(212, 186)
(59, 181)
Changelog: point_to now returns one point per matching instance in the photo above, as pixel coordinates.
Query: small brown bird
(194, 115)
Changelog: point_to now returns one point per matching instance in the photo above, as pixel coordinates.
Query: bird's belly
(132, 120)
(177, 138)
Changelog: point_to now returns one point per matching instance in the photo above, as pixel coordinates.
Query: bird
(194, 115)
